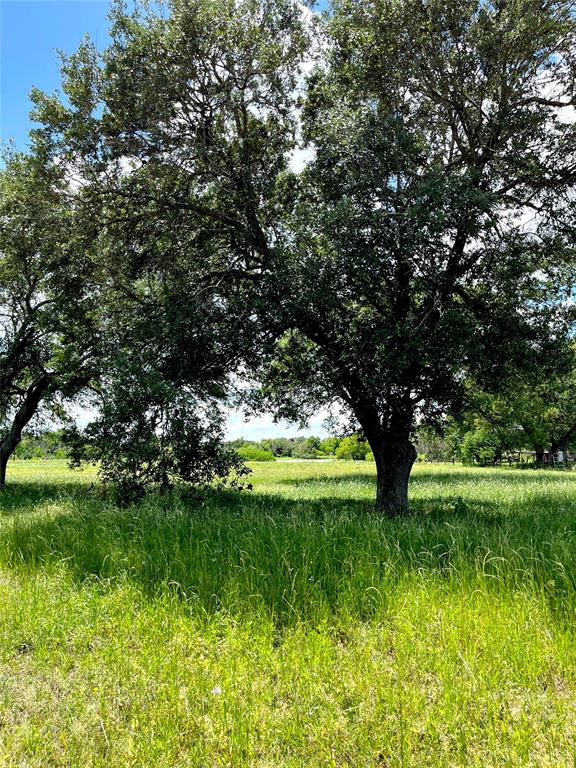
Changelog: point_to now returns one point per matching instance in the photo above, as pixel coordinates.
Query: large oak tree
(401, 256)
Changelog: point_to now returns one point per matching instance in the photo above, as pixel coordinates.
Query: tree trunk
(25, 412)
(394, 462)
(561, 443)
(3, 462)
(539, 455)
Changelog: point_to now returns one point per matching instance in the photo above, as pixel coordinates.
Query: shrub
(279, 446)
(306, 448)
(329, 445)
(481, 445)
(151, 434)
(353, 448)
(43, 445)
(251, 453)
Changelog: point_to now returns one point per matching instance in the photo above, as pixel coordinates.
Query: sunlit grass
(290, 626)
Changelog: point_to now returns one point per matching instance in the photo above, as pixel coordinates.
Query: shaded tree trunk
(560, 443)
(394, 455)
(25, 412)
(394, 462)
(539, 451)
(3, 463)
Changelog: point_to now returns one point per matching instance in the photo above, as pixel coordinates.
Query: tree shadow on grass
(31, 495)
(527, 477)
(293, 559)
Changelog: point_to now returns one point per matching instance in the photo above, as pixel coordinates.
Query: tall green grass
(290, 626)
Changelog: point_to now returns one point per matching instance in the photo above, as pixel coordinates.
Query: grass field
(289, 626)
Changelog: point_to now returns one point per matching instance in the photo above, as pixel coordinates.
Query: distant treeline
(470, 440)
(52, 445)
(431, 445)
(351, 447)
(46, 445)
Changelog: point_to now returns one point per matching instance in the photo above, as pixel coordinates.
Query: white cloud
(255, 428)
(259, 427)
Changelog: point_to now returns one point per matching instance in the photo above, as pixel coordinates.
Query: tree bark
(539, 451)
(25, 412)
(394, 462)
(3, 463)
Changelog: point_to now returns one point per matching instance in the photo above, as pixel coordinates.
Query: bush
(44, 445)
(150, 434)
(329, 445)
(481, 445)
(306, 448)
(352, 448)
(279, 446)
(251, 453)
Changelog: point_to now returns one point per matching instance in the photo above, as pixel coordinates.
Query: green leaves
(395, 262)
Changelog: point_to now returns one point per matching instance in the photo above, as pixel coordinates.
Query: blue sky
(31, 31)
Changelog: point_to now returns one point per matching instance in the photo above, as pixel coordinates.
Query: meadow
(289, 626)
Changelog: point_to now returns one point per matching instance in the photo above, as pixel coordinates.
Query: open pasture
(289, 626)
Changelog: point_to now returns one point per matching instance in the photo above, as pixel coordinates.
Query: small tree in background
(539, 415)
(161, 395)
(155, 435)
(48, 444)
(253, 453)
(329, 445)
(353, 448)
(439, 441)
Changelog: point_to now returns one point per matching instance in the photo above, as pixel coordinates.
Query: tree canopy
(428, 237)
(49, 336)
